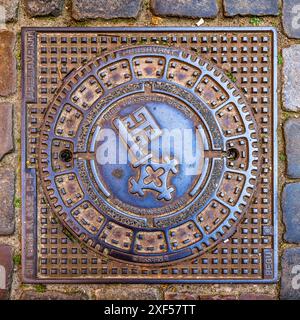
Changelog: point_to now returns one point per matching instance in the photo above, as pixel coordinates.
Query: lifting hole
(232, 154)
(66, 155)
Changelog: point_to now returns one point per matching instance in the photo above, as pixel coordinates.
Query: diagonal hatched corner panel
(149, 220)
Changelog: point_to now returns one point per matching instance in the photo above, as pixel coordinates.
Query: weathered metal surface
(150, 217)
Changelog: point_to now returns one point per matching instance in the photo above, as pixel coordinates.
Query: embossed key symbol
(137, 130)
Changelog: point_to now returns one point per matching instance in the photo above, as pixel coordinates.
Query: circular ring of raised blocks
(170, 227)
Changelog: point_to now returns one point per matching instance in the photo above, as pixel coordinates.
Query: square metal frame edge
(275, 279)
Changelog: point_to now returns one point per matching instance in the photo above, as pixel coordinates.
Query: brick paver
(290, 275)
(52, 295)
(120, 293)
(105, 9)
(291, 87)
(181, 296)
(187, 8)
(218, 297)
(292, 145)
(193, 296)
(6, 128)
(6, 269)
(36, 8)
(8, 69)
(291, 18)
(251, 7)
(256, 296)
(7, 219)
(11, 9)
(291, 212)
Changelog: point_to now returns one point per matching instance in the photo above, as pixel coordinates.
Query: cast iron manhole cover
(149, 156)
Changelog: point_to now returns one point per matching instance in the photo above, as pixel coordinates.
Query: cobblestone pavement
(284, 15)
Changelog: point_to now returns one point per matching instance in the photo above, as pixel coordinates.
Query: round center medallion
(148, 155)
(145, 161)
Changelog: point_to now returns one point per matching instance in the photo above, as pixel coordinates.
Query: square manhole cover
(149, 155)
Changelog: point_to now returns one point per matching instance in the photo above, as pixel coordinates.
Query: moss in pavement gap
(282, 157)
(280, 59)
(18, 51)
(41, 288)
(17, 203)
(255, 21)
(286, 115)
(17, 259)
(83, 23)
